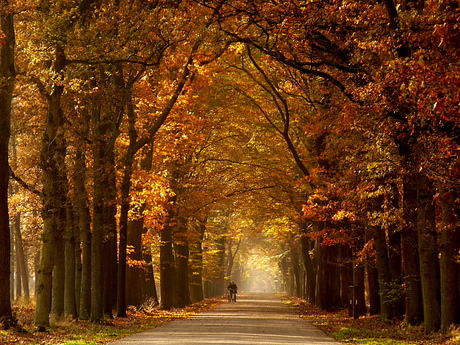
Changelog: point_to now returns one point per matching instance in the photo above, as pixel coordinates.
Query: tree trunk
(44, 273)
(220, 283)
(135, 273)
(52, 162)
(104, 236)
(128, 286)
(372, 275)
(77, 259)
(409, 245)
(7, 77)
(167, 260)
(181, 248)
(328, 283)
(295, 262)
(70, 306)
(450, 309)
(347, 278)
(373, 286)
(149, 291)
(139, 284)
(16, 286)
(196, 264)
(110, 262)
(395, 256)
(310, 269)
(360, 291)
(428, 253)
(97, 237)
(58, 280)
(84, 225)
(21, 255)
(383, 266)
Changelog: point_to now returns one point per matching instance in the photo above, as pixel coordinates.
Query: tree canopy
(288, 145)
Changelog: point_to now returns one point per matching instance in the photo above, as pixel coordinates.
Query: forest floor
(364, 330)
(369, 330)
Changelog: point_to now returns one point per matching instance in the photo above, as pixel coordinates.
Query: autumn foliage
(160, 148)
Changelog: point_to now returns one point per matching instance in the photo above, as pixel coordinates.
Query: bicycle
(231, 295)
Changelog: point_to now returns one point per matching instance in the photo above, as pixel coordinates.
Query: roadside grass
(80, 332)
(368, 330)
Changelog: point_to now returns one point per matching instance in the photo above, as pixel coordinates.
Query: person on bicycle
(232, 290)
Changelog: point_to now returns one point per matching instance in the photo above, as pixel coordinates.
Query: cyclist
(232, 290)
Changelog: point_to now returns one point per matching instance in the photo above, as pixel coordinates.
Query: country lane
(256, 319)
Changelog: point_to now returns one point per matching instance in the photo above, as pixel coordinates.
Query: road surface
(256, 319)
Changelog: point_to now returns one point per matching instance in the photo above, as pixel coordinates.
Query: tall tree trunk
(328, 283)
(428, 253)
(58, 280)
(220, 283)
(78, 259)
(347, 278)
(21, 255)
(395, 256)
(309, 265)
(360, 291)
(98, 225)
(167, 260)
(295, 262)
(125, 294)
(16, 280)
(372, 277)
(135, 273)
(196, 263)
(52, 162)
(7, 78)
(450, 307)
(110, 262)
(84, 225)
(70, 305)
(181, 249)
(149, 291)
(104, 236)
(231, 255)
(139, 281)
(383, 266)
(97, 236)
(409, 245)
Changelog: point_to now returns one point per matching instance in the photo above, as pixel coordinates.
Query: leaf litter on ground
(78, 332)
(368, 330)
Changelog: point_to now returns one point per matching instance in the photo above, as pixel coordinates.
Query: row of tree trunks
(419, 256)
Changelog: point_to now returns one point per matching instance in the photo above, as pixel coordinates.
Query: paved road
(256, 319)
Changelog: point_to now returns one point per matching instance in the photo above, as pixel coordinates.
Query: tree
(7, 75)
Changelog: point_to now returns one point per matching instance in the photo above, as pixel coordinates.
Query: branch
(234, 193)
(24, 184)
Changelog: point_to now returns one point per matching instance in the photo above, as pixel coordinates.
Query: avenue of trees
(149, 149)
